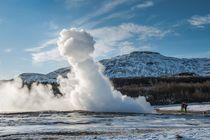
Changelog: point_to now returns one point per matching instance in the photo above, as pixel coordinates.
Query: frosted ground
(87, 125)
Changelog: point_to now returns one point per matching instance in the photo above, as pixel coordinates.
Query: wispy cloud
(40, 54)
(121, 14)
(199, 21)
(75, 3)
(127, 47)
(114, 37)
(107, 12)
(145, 4)
(118, 39)
(126, 30)
(8, 50)
(43, 56)
(108, 7)
(104, 9)
(48, 43)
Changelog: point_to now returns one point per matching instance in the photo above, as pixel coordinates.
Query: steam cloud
(85, 88)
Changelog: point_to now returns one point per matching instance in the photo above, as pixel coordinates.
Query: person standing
(184, 106)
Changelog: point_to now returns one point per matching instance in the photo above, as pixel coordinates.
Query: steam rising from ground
(14, 97)
(85, 88)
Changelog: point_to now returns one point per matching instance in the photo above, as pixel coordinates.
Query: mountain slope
(44, 78)
(151, 64)
(136, 64)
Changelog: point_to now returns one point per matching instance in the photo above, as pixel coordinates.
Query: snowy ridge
(135, 64)
(152, 64)
(44, 78)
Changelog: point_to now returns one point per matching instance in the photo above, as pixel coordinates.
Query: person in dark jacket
(184, 106)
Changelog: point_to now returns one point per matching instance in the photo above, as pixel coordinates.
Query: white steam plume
(85, 88)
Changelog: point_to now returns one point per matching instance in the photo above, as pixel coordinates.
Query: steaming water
(87, 125)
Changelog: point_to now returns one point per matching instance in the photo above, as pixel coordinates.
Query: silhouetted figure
(184, 106)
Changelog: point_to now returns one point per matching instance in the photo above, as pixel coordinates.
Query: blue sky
(29, 29)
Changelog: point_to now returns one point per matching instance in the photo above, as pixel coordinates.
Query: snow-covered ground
(76, 125)
(191, 107)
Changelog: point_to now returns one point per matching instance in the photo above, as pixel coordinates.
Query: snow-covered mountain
(135, 64)
(44, 78)
(152, 64)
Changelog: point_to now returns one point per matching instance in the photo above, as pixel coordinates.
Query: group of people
(184, 106)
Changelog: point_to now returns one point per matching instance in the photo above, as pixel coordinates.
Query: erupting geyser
(85, 88)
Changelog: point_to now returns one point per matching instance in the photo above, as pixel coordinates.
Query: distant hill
(152, 64)
(136, 64)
